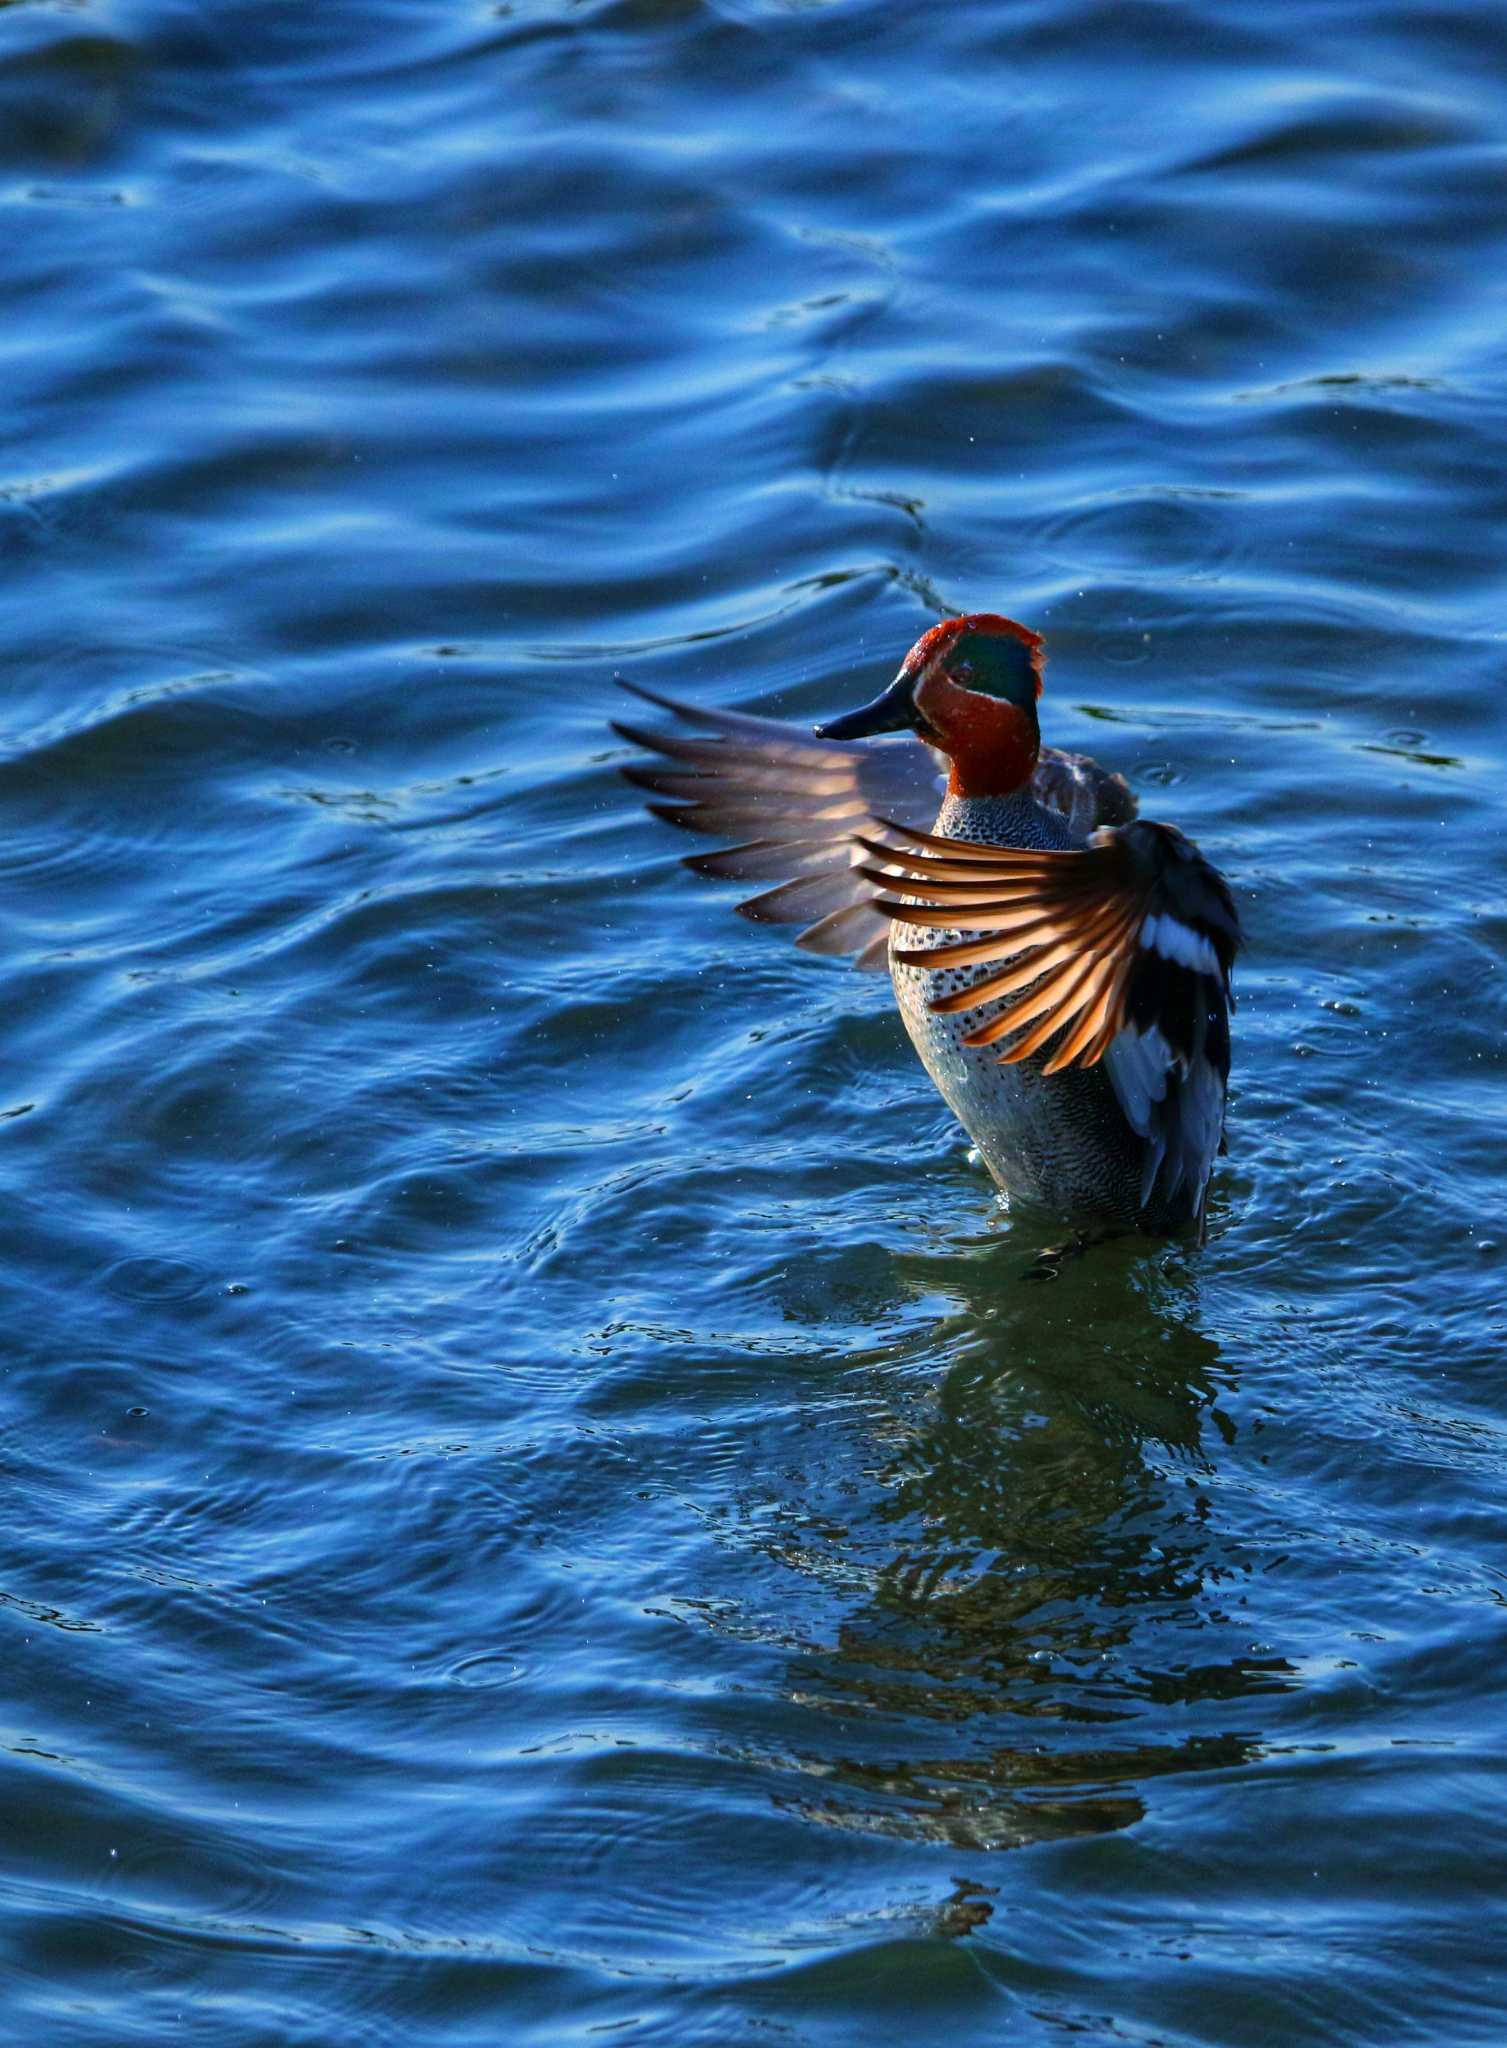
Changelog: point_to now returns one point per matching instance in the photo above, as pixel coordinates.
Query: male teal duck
(1062, 967)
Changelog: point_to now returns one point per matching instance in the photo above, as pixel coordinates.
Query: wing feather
(793, 803)
(850, 930)
(802, 901)
(1052, 1011)
(769, 860)
(995, 986)
(1058, 996)
(1001, 914)
(967, 952)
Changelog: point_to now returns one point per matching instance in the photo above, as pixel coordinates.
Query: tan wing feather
(1071, 945)
(1061, 928)
(1080, 1044)
(976, 889)
(1062, 1009)
(999, 915)
(924, 865)
(1058, 994)
(994, 986)
(977, 952)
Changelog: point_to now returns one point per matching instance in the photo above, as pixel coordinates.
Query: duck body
(1059, 1142)
(1062, 966)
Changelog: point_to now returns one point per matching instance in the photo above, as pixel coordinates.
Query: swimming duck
(1062, 966)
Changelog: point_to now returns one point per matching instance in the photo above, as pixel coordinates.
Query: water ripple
(544, 1495)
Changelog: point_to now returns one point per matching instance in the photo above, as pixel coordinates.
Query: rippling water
(543, 1501)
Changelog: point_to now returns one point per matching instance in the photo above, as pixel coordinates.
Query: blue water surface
(544, 1502)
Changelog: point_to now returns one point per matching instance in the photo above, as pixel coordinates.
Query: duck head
(969, 688)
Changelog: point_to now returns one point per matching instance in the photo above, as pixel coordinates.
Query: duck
(1062, 965)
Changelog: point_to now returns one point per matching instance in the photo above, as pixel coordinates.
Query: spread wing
(1120, 952)
(795, 805)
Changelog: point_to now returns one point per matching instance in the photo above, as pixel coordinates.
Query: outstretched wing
(1121, 951)
(795, 805)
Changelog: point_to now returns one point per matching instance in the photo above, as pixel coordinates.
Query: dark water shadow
(1050, 1616)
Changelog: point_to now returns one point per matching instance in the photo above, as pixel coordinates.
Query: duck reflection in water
(1053, 1615)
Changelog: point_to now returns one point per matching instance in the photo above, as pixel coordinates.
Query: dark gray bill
(891, 711)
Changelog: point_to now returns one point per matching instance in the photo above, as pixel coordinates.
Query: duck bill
(893, 710)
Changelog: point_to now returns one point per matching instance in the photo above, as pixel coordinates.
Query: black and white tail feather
(1169, 1065)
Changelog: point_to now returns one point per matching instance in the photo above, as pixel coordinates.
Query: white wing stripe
(1174, 940)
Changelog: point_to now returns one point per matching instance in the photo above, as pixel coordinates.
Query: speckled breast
(1059, 1141)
